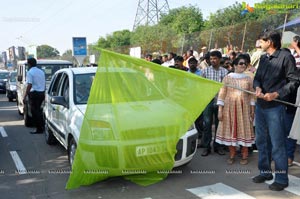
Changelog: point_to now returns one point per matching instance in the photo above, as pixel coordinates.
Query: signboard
(11, 53)
(21, 53)
(4, 57)
(9, 64)
(92, 59)
(79, 46)
(135, 52)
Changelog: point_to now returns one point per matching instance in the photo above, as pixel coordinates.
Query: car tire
(49, 137)
(10, 99)
(71, 151)
(7, 95)
(28, 121)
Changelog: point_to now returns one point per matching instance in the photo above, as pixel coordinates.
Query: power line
(50, 17)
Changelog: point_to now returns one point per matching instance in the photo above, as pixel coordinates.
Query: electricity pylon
(149, 12)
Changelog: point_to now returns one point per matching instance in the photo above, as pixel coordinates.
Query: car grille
(191, 145)
(147, 133)
(179, 148)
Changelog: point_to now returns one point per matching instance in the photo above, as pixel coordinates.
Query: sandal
(244, 161)
(230, 161)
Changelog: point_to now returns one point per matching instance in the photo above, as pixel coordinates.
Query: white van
(49, 67)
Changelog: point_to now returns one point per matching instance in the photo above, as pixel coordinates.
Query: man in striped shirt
(217, 73)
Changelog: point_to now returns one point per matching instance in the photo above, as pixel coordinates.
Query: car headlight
(101, 130)
(191, 127)
(12, 87)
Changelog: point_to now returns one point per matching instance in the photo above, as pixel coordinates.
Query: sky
(55, 22)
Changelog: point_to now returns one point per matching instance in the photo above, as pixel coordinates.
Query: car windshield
(144, 90)
(50, 69)
(4, 75)
(82, 87)
(13, 77)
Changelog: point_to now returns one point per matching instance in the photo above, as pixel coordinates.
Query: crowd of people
(250, 108)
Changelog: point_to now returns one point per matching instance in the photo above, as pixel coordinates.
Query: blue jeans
(290, 143)
(271, 142)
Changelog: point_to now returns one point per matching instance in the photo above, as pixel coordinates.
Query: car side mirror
(20, 78)
(59, 100)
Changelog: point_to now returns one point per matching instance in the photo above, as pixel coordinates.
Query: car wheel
(72, 151)
(10, 99)
(49, 137)
(28, 121)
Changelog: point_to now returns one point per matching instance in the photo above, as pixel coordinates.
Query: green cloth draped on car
(136, 113)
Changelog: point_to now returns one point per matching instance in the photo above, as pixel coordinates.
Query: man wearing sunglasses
(275, 78)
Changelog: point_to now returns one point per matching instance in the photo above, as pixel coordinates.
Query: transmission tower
(149, 12)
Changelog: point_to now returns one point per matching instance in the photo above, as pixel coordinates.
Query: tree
(120, 38)
(45, 51)
(115, 40)
(233, 14)
(67, 55)
(103, 43)
(183, 20)
(153, 38)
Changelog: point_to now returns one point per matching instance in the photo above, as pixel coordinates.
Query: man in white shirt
(35, 91)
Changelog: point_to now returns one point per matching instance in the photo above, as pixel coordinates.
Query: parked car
(66, 103)
(3, 79)
(11, 87)
(49, 67)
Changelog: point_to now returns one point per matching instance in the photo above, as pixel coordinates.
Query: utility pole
(149, 12)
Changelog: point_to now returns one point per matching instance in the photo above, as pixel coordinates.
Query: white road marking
(294, 184)
(8, 108)
(3, 132)
(19, 164)
(219, 191)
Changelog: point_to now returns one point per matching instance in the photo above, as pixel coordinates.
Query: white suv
(66, 103)
(49, 67)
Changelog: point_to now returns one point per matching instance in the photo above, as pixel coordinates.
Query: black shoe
(36, 132)
(220, 151)
(261, 179)
(275, 186)
(205, 152)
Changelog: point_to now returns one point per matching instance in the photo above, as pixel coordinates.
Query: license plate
(150, 150)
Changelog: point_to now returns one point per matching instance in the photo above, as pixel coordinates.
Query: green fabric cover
(136, 113)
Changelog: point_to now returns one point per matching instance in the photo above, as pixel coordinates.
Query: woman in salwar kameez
(236, 112)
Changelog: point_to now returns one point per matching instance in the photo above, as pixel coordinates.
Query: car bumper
(135, 158)
(11, 94)
(186, 148)
(2, 87)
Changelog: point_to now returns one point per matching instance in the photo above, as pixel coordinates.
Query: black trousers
(36, 99)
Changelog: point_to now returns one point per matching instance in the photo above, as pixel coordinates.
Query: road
(29, 168)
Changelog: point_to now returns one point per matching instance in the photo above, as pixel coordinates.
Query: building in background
(11, 56)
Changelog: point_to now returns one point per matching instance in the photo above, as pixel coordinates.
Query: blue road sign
(79, 46)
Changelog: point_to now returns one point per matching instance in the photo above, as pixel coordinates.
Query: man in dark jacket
(275, 78)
